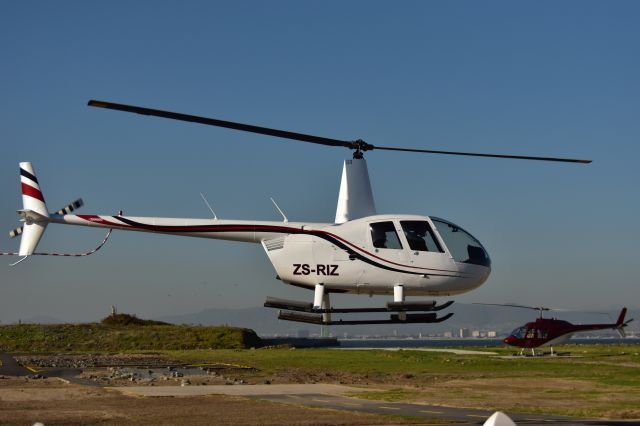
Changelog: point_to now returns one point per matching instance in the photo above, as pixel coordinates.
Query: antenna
(280, 210)
(15, 263)
(208, 205)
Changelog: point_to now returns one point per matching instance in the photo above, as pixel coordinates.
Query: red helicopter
(549, 332)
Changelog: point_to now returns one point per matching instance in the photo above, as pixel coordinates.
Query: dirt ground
(514, 394)
(53, 402)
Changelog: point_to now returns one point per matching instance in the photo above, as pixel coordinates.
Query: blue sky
(536, 78)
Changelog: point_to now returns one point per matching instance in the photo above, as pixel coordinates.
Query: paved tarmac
(10, 367)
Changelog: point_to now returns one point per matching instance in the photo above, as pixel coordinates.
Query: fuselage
(550, 332)
(371, 255)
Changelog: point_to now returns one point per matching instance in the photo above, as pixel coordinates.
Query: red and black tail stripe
(31, 190)
(28, 175)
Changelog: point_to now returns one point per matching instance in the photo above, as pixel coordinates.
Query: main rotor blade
(471, 154)
(513, 305)
(358, 145)
(222, 123)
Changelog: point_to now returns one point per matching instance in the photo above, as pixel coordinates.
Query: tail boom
(232, 230)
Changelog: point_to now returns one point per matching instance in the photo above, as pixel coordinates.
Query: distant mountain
(473, 317)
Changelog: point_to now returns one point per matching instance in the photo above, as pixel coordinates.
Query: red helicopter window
(531, 333)
(519, 333)
(420, 236)
(384, 235)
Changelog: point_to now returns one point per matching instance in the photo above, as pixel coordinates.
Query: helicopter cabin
(420, 237)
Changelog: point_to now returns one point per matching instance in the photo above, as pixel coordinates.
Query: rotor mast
(355, 199)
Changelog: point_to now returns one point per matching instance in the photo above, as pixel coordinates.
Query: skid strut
(294, 310)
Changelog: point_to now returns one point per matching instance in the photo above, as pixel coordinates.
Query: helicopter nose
(509, 340)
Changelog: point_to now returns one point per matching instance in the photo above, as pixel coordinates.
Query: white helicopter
(362, 252)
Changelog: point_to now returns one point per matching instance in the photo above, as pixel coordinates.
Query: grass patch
(599, 381)
(96, 337)
(127, 319)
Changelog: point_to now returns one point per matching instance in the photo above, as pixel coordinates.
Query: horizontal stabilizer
(65, 210)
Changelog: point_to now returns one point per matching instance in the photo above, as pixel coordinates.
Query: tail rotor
(35, 215)
(621, 323)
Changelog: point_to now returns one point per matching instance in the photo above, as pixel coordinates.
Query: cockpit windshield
(462, 245)
(519, 332)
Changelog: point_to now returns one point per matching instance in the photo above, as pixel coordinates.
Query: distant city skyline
(543, 78)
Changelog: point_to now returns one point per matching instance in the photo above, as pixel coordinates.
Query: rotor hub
(360, 146)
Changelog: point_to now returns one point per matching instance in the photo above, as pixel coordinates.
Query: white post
(318, 296)
(398, 293)
(325, 331)
(398, 296)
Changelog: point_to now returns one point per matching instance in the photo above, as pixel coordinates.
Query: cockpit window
(519, 333)
(384, 235)
(462, 246)
(420, 236)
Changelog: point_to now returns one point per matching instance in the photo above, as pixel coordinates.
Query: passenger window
(384, 235)
(420, 236)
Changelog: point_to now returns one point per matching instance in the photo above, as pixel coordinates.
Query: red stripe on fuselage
(32, 192)
(101, 221)
(270, 228)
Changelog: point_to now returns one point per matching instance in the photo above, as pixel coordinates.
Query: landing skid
(534, 353)
(305, 312)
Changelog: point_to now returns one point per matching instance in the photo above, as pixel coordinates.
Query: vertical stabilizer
(33, 200)
(623, 313)
(355, 199)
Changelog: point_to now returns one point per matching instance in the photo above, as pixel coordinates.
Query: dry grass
(54, 403)
(580, 398)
